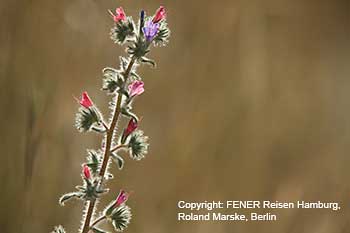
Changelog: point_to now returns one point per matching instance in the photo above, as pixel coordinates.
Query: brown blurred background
(250, 100)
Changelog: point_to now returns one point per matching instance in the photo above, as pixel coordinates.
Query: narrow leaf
(126, 111)
(68, 196)
(119, 160)
(98, 129)
(97, 230)
(149, 61)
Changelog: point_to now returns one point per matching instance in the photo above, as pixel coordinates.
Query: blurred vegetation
(250, 100)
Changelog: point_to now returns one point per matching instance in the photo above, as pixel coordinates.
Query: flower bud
(142, 15)
(86, 172)
(142, 21)
(160, 15)
(130, 128)
(122, 198)
(136, 88)
(119, 15)
(85, 100)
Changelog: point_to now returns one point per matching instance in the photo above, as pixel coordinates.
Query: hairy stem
(97, 221)
(89, 213)
(108, 144)
(119, 147)
(105, 125)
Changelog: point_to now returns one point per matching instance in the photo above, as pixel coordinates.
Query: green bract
(93, 160)
(122, 30)
(162, 38)
(88, 119)
(113, 80)
(59, 229)
(138, 145)
(120, 217)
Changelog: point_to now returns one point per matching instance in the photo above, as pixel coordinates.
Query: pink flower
(131, 127)
(136, 88)
(160, 15)
(85, 100)
(119, 15)
(86, 172)
(122, 197)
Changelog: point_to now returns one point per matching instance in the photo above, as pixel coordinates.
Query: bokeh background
(250, 100)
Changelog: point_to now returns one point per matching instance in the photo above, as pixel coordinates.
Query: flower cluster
(152, 29)
(125, 86)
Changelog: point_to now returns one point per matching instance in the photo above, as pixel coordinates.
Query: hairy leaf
(123, 30)
(119, 160)
(148, 61)
(120, 217)
(97, 230)
(59, 229)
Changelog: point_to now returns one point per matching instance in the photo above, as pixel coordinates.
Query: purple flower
(150, 30)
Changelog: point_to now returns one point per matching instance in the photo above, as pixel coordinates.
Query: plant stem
(89, 212)
(97, 221)
(105, 126)
(118, 147)
(109, 138)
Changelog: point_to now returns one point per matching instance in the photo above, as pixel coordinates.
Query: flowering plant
(125, 85)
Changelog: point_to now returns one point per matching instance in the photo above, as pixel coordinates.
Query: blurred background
(250, 101)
